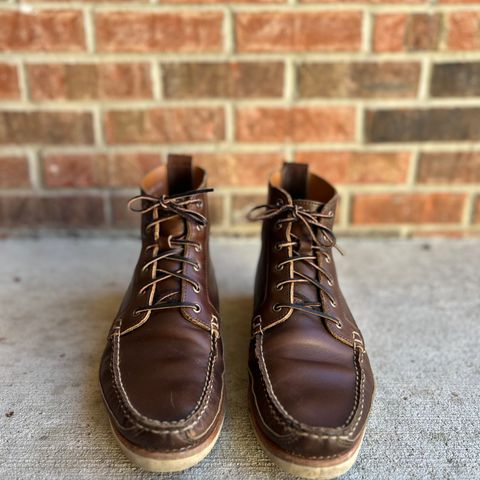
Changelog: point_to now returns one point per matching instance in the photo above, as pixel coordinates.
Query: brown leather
(311, 385)
(162, 370)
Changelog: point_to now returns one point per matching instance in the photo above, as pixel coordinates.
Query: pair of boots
(162, 372)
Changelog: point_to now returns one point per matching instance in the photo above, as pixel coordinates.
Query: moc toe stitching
(344, 433)
(147, 424)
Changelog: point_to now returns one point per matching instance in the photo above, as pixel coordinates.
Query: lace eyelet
(330, 283)
(200, 204)
(339, 325)
(279, 268)
(279, 287)
(327, 257)
(197, 308)
(277, 247)
(200, 227)
(197, 267)
(197, 248)
(333, 303)
(276, 307)
(277, 226)
(279, 203)
(196, 288)
(136, 313)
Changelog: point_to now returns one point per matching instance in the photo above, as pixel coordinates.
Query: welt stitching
(299, 429)
(296, 433)
(115, 387)
(203, 397)
(357, 388)
(362, 395)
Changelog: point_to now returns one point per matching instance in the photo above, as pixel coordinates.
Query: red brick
(159, 31)
(300, 124)
(86, 170)
(463, 31)
(164, 125)
(451, 167)
(422, 125)
(298, 31)
(46, 127)
(399, 32)
(89, 81)
(14, 172)
(74, 170)
(393, 208)
(358, 167)
(42, 31)
(56, 211)
(358, 79)
(122, 216)
(238, 169)
(223, 79)
(128, 169)
(242, 204)
(9, 88)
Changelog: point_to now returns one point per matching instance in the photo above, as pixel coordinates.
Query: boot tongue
(180, 180)
(179, 173)
(294, 179)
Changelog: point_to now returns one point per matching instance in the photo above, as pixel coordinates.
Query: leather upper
(311, 385)
(161, 373)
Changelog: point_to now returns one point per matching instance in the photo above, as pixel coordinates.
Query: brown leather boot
(162, 370)
(311, 385)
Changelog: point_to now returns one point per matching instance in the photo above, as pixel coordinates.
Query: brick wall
(382, 97)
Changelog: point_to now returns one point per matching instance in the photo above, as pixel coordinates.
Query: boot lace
(291, 213)
(165, 208)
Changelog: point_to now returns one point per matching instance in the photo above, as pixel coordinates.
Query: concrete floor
(417, 302)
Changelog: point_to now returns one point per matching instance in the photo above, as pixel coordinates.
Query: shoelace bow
(165, 208)
(290, 213)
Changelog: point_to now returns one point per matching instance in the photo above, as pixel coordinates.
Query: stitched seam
(297, 425)
(357, 384)
(294, 434)
(273, 411)
(204, 397)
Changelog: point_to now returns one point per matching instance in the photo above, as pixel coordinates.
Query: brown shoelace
(165, 208)
(312, 221)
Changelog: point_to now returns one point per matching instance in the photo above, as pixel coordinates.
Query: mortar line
(84, 56)
(34, 170)
(301, 7)
(351, 189)
(279, 102)
(230, 123)
(89, 28)
(345, 208)
(97, 115)
(290, 81)
(245, 147)
(425, 79)
(22, 81)
(468, 210)
(156, 75)
(412, 172)
(228, 31)
(367, 29)
(360, 113)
